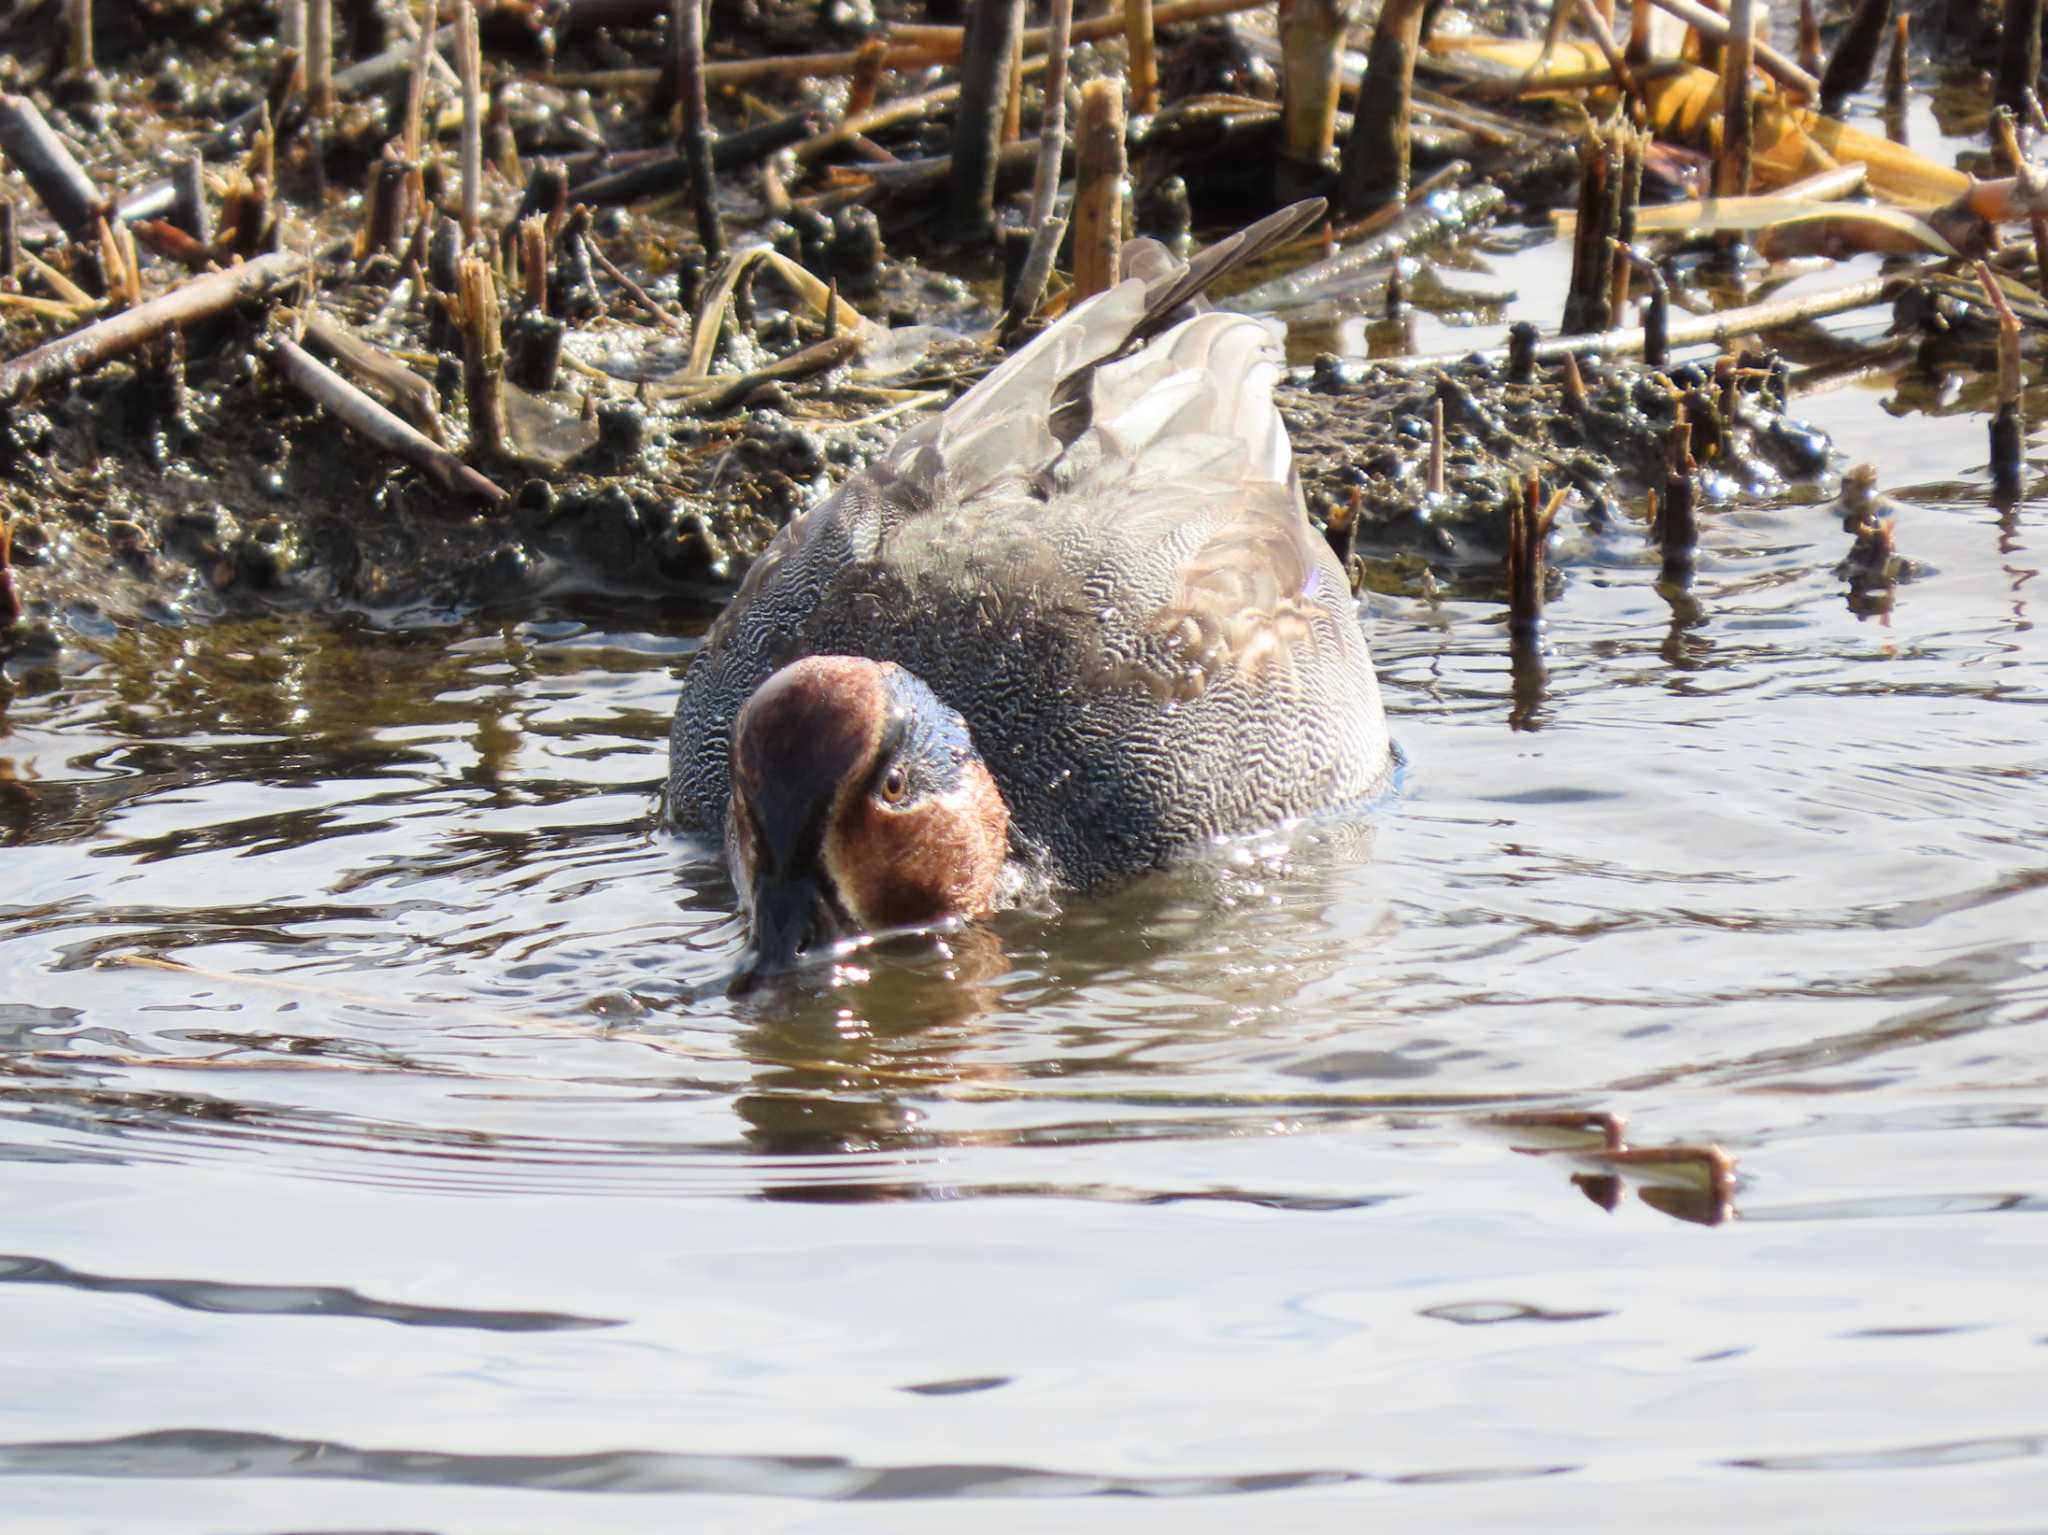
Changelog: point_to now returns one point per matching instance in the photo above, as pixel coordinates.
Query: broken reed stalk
(2019, 53)
(1656, 313)
(470, 68)
(364, 416)
(1589, 300)
(1855, 55)
(1738, 120)
(47, 164)
(1143, 56)
(1375, 169)
(188, 200)
(985, 68)
(78, 50)
(2007, 429)
(483, 357)
(1677, 525)
(10, 241)
(200, 299)
(1635, 145)
(1098, 187)
(871, 61)
(1047, 225)
(1311, 73)
(1530, 520)
(1714, 27)
(1434, 485)
(384, 207)
(320, 59)
(688, 27)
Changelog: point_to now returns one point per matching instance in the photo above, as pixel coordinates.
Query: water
(387, 1154)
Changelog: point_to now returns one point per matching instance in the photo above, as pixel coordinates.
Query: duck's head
(858, 803)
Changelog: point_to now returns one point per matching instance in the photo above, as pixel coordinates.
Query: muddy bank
(630, 412)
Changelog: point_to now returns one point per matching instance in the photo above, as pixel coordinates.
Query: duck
(1073, 628)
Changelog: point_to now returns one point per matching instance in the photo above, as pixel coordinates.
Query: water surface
(387, 1153)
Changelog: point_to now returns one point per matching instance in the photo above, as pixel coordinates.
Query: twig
(200, 299)
(817, 358)
(638, 293)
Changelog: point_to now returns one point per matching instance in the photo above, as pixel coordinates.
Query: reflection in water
(344, 983)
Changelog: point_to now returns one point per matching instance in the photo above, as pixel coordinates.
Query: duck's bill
(793, 923)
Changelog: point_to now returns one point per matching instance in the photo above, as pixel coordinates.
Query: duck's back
(1103, 563)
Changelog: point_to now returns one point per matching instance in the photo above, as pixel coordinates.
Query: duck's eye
(895, 784)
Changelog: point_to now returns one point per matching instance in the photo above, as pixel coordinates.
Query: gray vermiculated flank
(1149, 642)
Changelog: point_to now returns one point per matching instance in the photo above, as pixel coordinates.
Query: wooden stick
(1140, 30)
(47, 164)
(364, 416)
(200, 299)
(1099, 187)
(688, 23)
